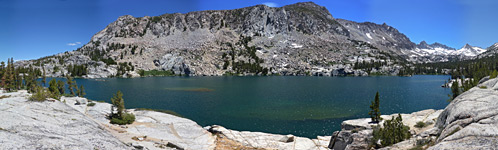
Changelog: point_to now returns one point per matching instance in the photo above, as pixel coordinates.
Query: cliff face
(290, 40)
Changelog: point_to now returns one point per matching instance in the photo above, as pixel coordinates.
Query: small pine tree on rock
(375, 110)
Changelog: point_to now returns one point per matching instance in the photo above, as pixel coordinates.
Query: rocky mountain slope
(296, 39)
(492, 50)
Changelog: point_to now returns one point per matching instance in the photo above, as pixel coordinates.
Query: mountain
(437, 52)
(490, 51)
(436, 45)
(297, 39)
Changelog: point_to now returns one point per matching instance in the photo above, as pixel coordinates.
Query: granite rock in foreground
(471, 120)
(49, 125)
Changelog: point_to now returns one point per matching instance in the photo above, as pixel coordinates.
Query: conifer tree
(375, 111)
(60, 87)
(81, 91)
(118, 104)
(52, 87)
(455, 89)
(44, 78)
(394, 131)
(70, 85)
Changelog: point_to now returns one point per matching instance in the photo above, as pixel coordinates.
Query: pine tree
(455, 89)
(70, 85)
(60, 87)
(493, 74)
(375, 110)
(54, 90)
(81, 91)
(44, 78)
(118, 104)
(394, 131)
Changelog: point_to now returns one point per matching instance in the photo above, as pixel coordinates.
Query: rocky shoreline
(470, 121)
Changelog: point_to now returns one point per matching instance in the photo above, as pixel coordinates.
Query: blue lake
(302, 106)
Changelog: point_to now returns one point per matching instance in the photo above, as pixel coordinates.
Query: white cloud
(74, 44)
(270, 4)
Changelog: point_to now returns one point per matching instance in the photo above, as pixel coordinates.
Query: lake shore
(73, 124)
(151, 130)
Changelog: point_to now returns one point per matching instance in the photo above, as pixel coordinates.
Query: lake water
(302, 106)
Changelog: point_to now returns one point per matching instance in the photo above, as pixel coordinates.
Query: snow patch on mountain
(439, 52)
(369, 36)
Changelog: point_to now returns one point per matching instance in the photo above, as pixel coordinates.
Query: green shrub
(483, 87)
(156, 73)
(90, 104)
(40, 94)
(493, 74)
(420, 124)
(127, 118)
(394, 131)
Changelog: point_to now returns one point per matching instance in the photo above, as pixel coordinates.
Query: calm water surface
(303, 106)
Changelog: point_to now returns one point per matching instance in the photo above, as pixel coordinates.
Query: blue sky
(35, 28)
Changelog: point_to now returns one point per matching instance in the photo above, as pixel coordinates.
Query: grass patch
(4, 96)
(161, 111)
(420, 124)
(90, 104)
(483, 87)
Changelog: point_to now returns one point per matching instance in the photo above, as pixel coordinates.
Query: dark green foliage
(44, 78)
(100, 55)
(124, 67)
(253, 66)
(493, 74)
(40, 94)
(90, 104)
(118, 104)
(61, 86)
(127, 118)
(120, 117)
(394, 131)
(420, 124)
(455, 90)
(71, 85)
(156, 19)
(375, 110)
(81, 91)
(52, 87)
(77, 70)
(156, 73)
(368, 66)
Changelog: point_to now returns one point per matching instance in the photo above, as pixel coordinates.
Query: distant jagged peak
(494, 46)
(467, 46)
(424, 45)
